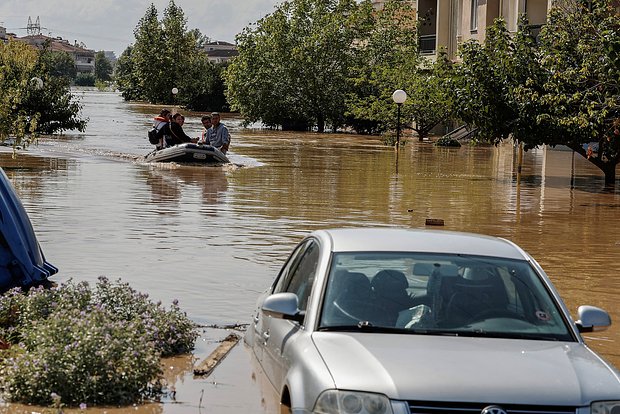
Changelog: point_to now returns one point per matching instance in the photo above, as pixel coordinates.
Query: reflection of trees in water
(176, 368)
(167, 182)
(25, 170)
(152, 408)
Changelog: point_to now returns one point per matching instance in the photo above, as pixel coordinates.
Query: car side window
(299, 274)
(284, 278)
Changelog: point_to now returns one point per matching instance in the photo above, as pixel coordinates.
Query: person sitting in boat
(162, 124)
(177, 135)
(218, 135)
(206, 123)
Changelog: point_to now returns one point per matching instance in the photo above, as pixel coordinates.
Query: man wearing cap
(218, 135)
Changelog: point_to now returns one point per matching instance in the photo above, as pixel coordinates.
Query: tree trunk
(610, 174)
(321, 123)
(607, 167)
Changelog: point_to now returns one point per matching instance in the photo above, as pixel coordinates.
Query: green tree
(126, 78)
(150, 65)
(197, 86)
(103, 67)
(488, 79)
(56, 108)
(430, 101)
(293, 65)
(565, 90)
(166, 55)
(85, 79)
(33, 98)
(17, 64)
(390, 60)
(201, 40)
(58, 63)
(578, 101)
(385, 58)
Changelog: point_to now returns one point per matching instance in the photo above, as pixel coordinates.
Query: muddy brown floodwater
(214, 238)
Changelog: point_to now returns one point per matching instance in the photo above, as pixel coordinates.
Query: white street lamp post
(37, 82)
(174, 96)
(399, 97)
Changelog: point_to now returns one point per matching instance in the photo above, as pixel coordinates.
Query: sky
(109, 24)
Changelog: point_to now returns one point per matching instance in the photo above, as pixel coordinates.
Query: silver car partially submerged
(377, 321)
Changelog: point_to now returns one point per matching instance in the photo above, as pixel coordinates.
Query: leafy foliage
(17, 65)
(27, 107)
(59, 64)
(315, 63)
(293, 65)
(85, 79)
(167, 55)
(579, 100)
(103, 67)
(565, 89)
(79, 345)
(488, 79)
(126, 78)
(386, 57)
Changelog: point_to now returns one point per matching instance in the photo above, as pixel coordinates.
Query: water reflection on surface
(214, 237)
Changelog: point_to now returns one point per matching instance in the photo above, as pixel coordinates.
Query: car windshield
(440, 294)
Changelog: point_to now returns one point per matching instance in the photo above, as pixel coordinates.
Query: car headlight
(352, 402)
(606, 407)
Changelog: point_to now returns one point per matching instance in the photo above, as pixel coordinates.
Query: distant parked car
(22, 263)
(376, 321)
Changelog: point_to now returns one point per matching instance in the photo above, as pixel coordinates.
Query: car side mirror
(283, 306)
(592, 319)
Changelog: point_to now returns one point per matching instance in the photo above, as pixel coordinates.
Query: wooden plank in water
(206, 367)
(434, 222)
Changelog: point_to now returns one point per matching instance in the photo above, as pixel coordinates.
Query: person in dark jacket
(177, 135)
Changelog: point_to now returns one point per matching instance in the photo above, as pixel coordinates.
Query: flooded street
(215, 237)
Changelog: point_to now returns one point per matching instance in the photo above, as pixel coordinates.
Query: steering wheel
(358, 310)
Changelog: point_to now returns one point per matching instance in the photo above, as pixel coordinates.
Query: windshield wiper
(366, 326)
(505, 335)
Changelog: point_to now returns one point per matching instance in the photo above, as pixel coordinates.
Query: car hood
(460, 369)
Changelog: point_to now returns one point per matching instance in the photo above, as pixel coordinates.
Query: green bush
(82, 357)
(76, 345)
(85, 79)
(447, 142)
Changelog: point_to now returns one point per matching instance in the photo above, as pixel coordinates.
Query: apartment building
(220, 52)
(447, 23)
(84, 58)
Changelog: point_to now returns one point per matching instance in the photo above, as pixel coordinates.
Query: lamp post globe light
(37, 82)
(399, 97)
(174, 96)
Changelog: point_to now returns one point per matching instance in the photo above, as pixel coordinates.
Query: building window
(474, 15)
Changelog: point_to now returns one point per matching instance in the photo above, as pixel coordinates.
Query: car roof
(387, 239)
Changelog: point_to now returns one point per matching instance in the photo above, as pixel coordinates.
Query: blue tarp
(22, 262)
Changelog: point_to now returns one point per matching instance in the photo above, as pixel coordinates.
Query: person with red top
(162, 124)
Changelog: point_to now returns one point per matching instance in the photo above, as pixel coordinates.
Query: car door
(259, 331)
(278, 333)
